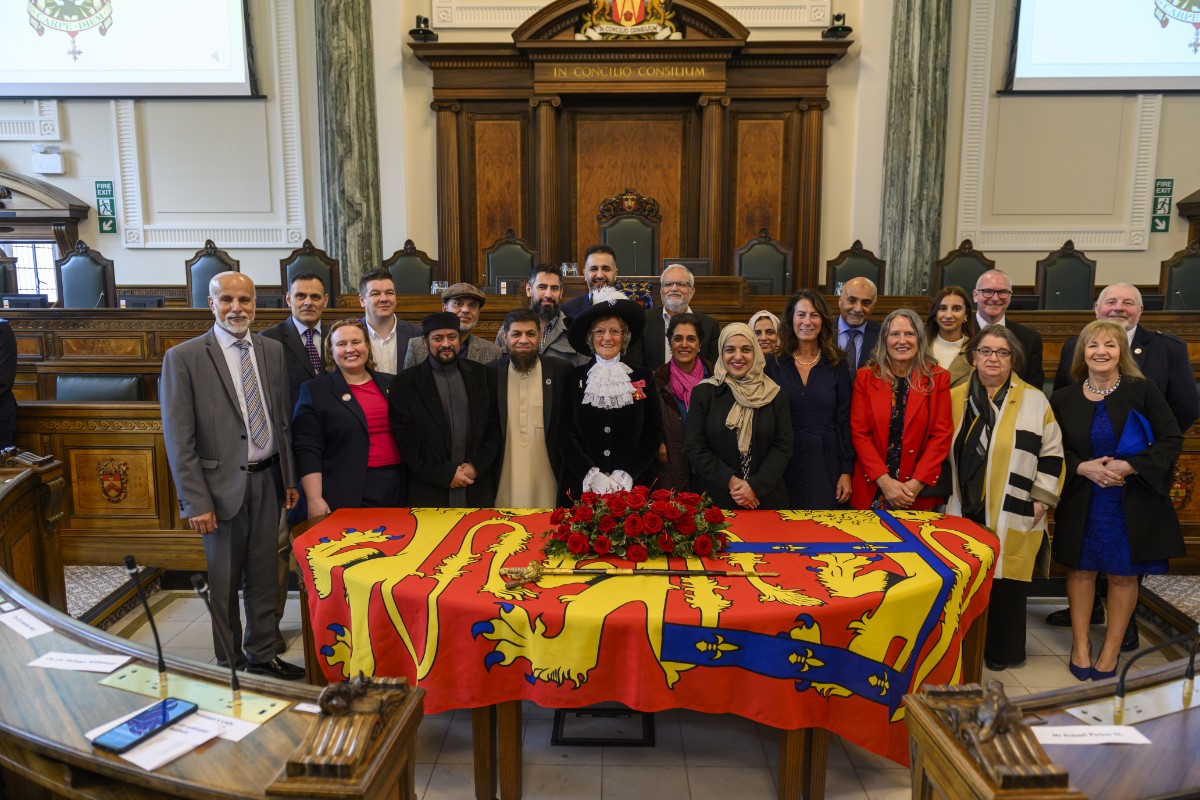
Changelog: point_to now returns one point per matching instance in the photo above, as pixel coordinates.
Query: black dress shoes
(1131, 640)
(276, 668)
(1062, 617)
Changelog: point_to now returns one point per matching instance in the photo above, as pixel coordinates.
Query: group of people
(815, 409)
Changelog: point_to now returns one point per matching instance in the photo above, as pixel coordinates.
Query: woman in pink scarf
(675, 381)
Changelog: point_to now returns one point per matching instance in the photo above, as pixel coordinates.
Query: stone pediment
(697, 20)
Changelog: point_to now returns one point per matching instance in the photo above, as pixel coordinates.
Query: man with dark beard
(544, 290)
(528, 386)
(444, 418)
(465, 302)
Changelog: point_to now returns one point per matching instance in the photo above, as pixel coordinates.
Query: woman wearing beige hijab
(739, 430)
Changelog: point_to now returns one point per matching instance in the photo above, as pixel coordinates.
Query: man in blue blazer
(857, 332)
(599, 269)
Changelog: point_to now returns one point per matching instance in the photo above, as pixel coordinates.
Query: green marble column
(914, 152)
(348, 136)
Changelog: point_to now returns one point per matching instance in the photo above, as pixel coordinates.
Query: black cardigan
(712, 448)
(1150, 519)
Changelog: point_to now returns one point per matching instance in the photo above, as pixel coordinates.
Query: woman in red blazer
(900, 420)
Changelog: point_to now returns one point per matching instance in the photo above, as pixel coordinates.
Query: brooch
(638, 394)
(1137, 352)
(346, 397)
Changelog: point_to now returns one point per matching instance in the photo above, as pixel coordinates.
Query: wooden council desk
(867, 607)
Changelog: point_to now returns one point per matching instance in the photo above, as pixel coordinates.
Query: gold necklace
(796, 358)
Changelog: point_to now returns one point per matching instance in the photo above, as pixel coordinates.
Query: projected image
(137, 48)
(1140, 45)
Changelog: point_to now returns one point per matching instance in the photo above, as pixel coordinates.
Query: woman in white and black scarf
(1007, 458)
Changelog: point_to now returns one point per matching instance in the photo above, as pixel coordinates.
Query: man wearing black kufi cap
(445, 421)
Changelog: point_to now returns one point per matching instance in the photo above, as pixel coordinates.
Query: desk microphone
(99, 300)
(201, 587)
(1189, 676)
(1179, 297)
(131, 567)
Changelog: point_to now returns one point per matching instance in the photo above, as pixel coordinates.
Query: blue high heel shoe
(1080, 673)
(1098, 675)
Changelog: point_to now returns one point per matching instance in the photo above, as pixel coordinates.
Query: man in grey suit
(226, 426)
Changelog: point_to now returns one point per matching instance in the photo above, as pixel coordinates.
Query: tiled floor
(696, 757)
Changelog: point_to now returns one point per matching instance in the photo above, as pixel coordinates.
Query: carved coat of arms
(113, 476)
(629, 19)
(72, 17)
(1181, 488)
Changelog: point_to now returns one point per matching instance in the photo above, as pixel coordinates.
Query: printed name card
(24, 623)
(1089, 734)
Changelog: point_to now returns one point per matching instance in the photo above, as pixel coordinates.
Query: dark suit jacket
(404, 331)
(299, 368)
(624, 438)
(1031, 343)
(554, 375)
(8, 376)
(925, 442)
(712, 448)
(1150, 519)
(650, 350)
(866, 346)
(329, 436)
(423, 434)
(1163, 359)
(576, 306)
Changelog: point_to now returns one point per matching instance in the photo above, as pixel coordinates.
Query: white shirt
(1129, 334)
(233, 359)
(945, 352)
(383, 348)
(984, 321)
(301, 328)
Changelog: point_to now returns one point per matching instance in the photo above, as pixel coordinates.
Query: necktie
(256, 416)
(311, 349)
(852, 347)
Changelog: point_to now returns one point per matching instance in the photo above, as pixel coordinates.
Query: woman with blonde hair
(739, 433)
(1121, 442)
(900, 420)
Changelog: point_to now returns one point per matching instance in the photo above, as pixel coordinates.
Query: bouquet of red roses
(636, 525)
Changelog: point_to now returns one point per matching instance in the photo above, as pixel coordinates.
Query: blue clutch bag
(1136, 436)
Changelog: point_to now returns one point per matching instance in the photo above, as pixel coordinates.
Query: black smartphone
(138, 729)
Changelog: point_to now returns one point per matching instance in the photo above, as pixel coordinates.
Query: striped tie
(256, 415)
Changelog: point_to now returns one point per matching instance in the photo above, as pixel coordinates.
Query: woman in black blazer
(345, 454)
(1121, 442)
(739, 429)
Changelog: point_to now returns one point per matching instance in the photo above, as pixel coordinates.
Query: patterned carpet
(1180, 592)
(102, 595)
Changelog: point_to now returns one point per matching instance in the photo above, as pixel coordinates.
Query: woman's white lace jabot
(608, 385)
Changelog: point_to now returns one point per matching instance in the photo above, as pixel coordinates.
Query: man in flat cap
(465, 302)
(445, 420)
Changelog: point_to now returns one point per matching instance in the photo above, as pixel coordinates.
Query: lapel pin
(346, 397)
(547, 381)
(1137, 351)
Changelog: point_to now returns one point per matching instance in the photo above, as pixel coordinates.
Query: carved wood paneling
(645, 152)
(808, 194)
(449, 209)
(133, 470)
(498, 175)
(109, 347)
(760, 156)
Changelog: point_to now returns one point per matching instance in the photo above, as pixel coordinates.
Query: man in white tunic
(527, 388)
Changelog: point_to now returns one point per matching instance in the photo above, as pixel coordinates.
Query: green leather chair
(509, 258)
(765, 264)
(85, 279)
(1065, 280)
(8, 275)
(412, 269)
(857, 262)
(960, 267)
(1179, 282)
(316, 261)
(629, 224)
(97, 387)
(200, 269)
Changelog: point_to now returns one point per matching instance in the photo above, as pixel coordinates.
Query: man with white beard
(677, 287)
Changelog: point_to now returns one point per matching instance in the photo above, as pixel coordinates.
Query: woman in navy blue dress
(1121, 442)
(815, 376)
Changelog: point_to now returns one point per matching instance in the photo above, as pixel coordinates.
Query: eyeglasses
(987, 352)
(676, 285)
(1003, 294)
(600, 333)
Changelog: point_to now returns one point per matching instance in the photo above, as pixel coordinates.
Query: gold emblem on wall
(629, 19)
(114, 479)
(1181, 488)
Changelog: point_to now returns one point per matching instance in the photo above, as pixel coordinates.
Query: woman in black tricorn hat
(609, 413)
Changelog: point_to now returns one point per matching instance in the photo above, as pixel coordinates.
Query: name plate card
(704, 76)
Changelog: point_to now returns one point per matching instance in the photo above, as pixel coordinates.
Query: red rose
(666, 543)
(636, 553)
(602, 544)
(660, 494)
(689, 498)
(633, 525)
(583, 514)
(557, 516)
(577, 543)
(672, 513)
(652, 522)
(617, 505)
(587, 497)
(564, 530)
(713, 515)
(686, 525)
(606, 524)
(641, 493)
(660, 507)
(702, 546)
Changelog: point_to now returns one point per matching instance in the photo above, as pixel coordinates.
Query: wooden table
(867, 606)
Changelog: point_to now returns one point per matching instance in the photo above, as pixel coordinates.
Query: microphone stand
(131, 568)
(201, 587)
(1189, 677)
